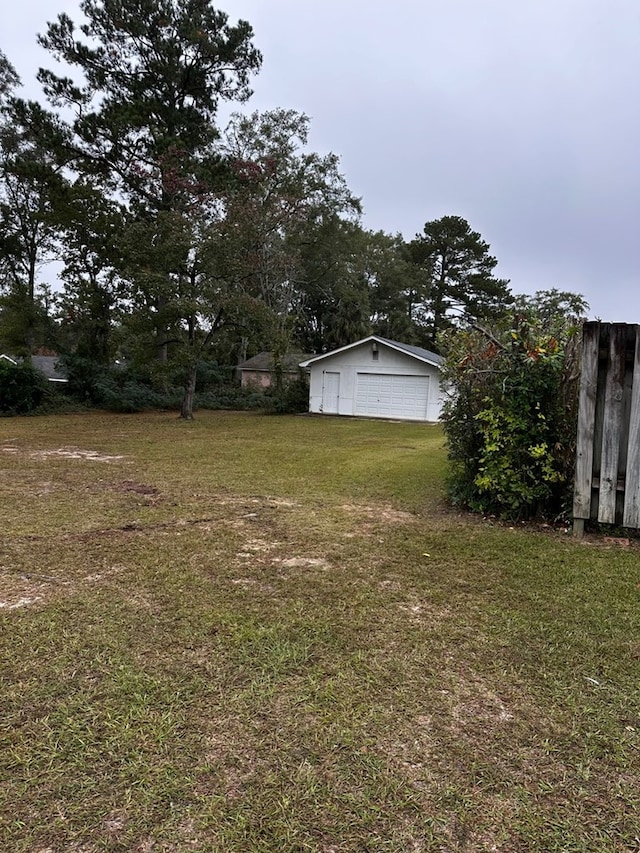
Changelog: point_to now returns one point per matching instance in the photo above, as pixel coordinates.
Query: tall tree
(332, 307)
(459, 275)
(151, 75)
(398, 289)
(32, 184)
(178, 285)
(553, 310)
(93, 228)
(9, 78)
(282, 206)
(154, 72)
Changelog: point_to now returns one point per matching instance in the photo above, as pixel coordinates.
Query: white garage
(376, 378)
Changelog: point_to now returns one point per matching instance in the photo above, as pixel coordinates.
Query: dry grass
(269, 634)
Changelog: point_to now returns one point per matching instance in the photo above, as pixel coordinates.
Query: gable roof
(47, 364)
(264, 361)
(421, 354)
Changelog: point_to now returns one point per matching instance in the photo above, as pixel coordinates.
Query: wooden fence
(607, 477)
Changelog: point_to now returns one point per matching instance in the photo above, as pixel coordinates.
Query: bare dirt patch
(23, 588)
(474, 704)
(259, 546)
(115, 823)
(148, 495)
(74, 453)
(304, 563)
(109, 571)
(136, 488)
(25, 601)
(423, 612)
(254, 585)
(20, 590)
(380, 512)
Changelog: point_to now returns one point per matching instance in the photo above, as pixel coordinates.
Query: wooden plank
(631, 515)
(629, 352)
(586, 420)
(603, 357)
(612, 425)
(595, 483)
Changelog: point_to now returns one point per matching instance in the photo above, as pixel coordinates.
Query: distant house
(258, 372)
(376, 378)
(48, 364)
(45, 364)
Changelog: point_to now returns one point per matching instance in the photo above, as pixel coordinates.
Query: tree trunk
(162, 348)
(31, 304)
(186, 411)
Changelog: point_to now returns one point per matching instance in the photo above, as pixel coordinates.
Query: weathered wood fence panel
(607, 475)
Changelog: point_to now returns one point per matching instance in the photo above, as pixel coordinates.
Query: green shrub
(231, 397)
(212, 376)
(22, 388)
(129, 389)
(292, 398)
(510, 420)
(113, 388)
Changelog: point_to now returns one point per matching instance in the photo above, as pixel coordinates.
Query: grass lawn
(251, 633)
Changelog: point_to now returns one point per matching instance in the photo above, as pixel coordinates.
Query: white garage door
(387, 396)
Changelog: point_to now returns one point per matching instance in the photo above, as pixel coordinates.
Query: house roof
(416, 352)
(47, 364)
(264, 361)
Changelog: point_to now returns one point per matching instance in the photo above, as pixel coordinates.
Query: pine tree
(460, 284)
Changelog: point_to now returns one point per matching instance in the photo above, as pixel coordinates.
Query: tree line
(180, 240)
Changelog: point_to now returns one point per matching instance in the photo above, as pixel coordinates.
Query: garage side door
(330, 392)
(385, 396)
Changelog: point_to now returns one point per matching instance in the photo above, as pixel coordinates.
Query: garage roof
(417, 352)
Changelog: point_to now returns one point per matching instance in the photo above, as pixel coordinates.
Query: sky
(521, 117)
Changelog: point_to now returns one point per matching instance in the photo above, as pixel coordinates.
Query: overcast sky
(522, 117)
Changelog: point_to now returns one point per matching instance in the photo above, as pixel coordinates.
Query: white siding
(412, 394)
